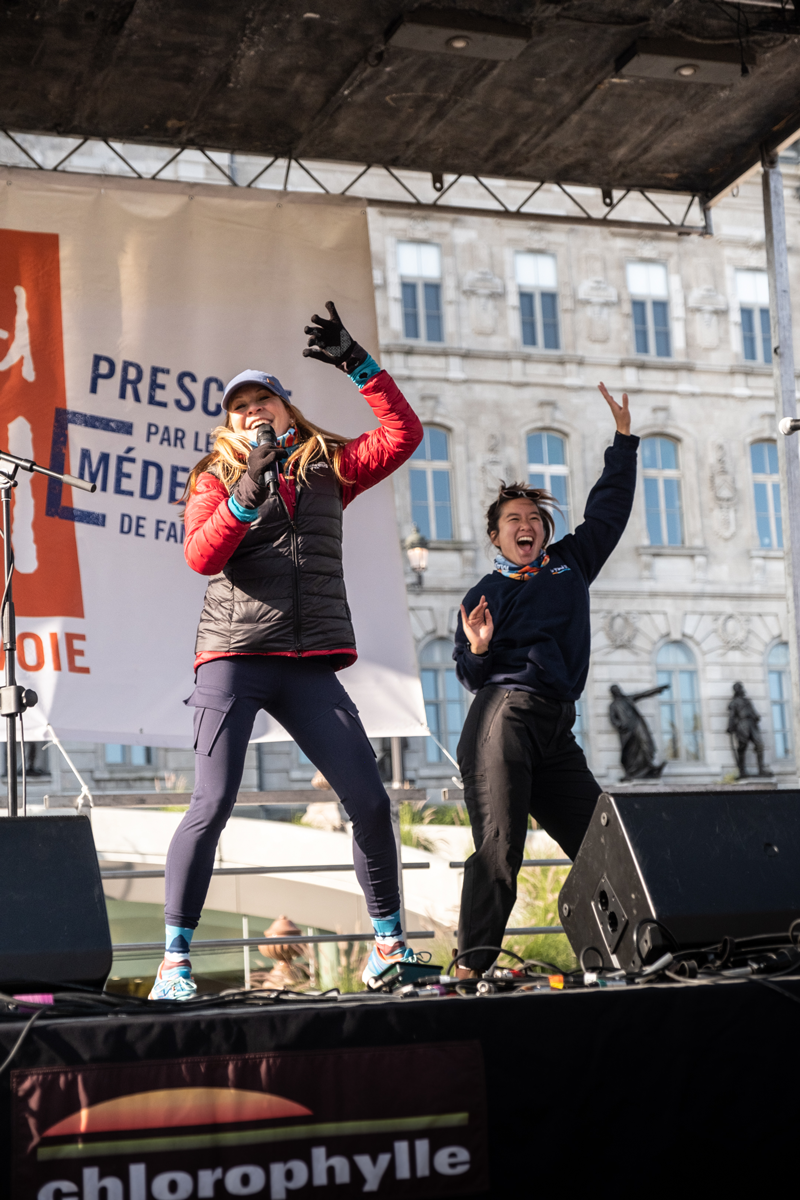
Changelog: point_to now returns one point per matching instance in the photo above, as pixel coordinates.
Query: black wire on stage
(18, 1043)
(473, 949)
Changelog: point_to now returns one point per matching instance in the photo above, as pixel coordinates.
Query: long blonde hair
(231, 451)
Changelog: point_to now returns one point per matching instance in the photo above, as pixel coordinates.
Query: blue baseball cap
(268, 381)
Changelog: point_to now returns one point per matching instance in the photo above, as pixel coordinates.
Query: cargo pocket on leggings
(348, 706)
(210, 706)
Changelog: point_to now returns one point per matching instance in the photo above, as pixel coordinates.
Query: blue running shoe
(378, 961)
(171, 984)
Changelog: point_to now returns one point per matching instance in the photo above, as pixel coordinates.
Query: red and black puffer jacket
(277, 583)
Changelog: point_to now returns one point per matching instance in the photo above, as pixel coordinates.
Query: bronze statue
(743, 722)
(637, 748)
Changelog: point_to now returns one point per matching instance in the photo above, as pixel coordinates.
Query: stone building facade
(522, 321)
(498, 330)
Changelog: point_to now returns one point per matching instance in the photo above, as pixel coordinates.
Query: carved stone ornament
(733, 630)
(418, 227)
(620, 629)
(492, 471)
(599, 297)
(706, 303)
(723, 489)
(483, 289)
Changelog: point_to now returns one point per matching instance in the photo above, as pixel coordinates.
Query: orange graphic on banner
(47, 581)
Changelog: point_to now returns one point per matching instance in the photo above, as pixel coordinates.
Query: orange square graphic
(47, 580)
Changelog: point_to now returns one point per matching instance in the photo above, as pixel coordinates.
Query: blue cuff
(240, 512)
(365, 372)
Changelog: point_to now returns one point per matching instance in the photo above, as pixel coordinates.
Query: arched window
(445, 699)
(780, 692)
(431, 505)
(662, 491)
(681, 725)
(767, 494)
(547, 468)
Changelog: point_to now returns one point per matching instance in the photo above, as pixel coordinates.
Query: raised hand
(621, 413)
(478, 626)
(330, 342)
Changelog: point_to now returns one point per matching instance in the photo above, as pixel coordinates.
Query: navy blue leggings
(305, 696)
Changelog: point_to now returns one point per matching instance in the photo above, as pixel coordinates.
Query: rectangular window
(410, 311)
(419, 265)
(661, 328)
(766, 336)
(429, 478)
(648, 289)
(550, 320)
(779, 702)
(433, 312)
(128, 756)
(547, 468)
(640, 333)
(537, 280)
(420, 511)
(749, 346)
(780, 693)
(662, 491)
(752, 290)
(652, 502)
(527, 312)
(767, 494)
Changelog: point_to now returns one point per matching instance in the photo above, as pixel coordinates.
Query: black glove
(251, 490)
(331, 343)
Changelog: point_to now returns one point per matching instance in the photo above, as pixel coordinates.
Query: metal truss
(468, 195)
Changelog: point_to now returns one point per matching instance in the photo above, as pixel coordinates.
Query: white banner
(124, 306)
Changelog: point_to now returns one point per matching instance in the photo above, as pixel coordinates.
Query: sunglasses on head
(521, 494)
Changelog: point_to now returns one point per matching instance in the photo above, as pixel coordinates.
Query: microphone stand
(15, 700)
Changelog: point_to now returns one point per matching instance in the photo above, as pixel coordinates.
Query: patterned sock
(389, 939)
(176, 954)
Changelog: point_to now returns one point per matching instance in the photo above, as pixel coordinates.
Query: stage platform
(501, 1096)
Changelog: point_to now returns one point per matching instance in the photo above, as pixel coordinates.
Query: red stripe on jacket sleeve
(373, 456)
(212, 531)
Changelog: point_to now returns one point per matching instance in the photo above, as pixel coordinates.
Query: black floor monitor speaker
(53, 922)
(704, 865)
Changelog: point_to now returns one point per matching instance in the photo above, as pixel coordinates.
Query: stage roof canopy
(673, 95)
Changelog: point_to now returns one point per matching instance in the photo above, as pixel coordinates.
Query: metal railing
(285, 870)
(312, 939)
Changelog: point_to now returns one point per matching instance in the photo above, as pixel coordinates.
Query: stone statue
(637, 748)
(743, 722)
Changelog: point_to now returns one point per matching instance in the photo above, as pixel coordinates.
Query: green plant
(450, 814)
(414, 813)
(537, 904)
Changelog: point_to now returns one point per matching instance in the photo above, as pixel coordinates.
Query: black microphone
(265, 436)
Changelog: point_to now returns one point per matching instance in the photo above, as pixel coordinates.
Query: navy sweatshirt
(542, 635)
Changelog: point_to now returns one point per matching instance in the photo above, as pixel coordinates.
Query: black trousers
(517, 756)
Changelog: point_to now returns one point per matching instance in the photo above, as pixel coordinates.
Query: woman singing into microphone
(523, 647)
(275, 628)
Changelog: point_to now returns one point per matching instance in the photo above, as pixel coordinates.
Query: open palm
(478, 626)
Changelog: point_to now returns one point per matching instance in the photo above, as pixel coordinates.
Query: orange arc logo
(171, 1107)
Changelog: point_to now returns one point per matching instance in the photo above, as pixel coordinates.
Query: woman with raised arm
(275, 628)
(523, 648)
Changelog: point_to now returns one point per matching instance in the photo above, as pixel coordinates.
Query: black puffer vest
(282, 589)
